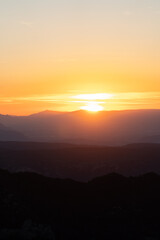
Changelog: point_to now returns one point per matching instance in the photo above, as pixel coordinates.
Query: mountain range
(80, 127)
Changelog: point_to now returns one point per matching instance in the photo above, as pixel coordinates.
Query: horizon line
(81, 110)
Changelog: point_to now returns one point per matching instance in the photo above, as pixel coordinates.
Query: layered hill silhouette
(81, 163)
(109, 207)
(103, 128)
(60, 179)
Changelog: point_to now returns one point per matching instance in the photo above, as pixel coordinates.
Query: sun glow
(96, 96)
(92, 107)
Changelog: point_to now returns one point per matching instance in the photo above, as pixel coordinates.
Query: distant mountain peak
(45, 113)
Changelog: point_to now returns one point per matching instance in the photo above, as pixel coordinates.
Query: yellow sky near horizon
(72, 102)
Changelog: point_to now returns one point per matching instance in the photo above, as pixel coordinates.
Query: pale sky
(60, 48)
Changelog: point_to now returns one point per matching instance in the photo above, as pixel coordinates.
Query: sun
(92, 101)
(92, 107)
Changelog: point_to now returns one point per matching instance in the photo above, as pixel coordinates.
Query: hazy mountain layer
(7, 134)
(109, 128)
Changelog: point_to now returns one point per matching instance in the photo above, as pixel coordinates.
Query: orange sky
(52, 51)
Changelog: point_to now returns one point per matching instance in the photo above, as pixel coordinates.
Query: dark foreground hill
(80, 163)
(109, 207)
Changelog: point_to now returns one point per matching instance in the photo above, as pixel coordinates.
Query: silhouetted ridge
(111, 177)
(148, 177)
(108, 207)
